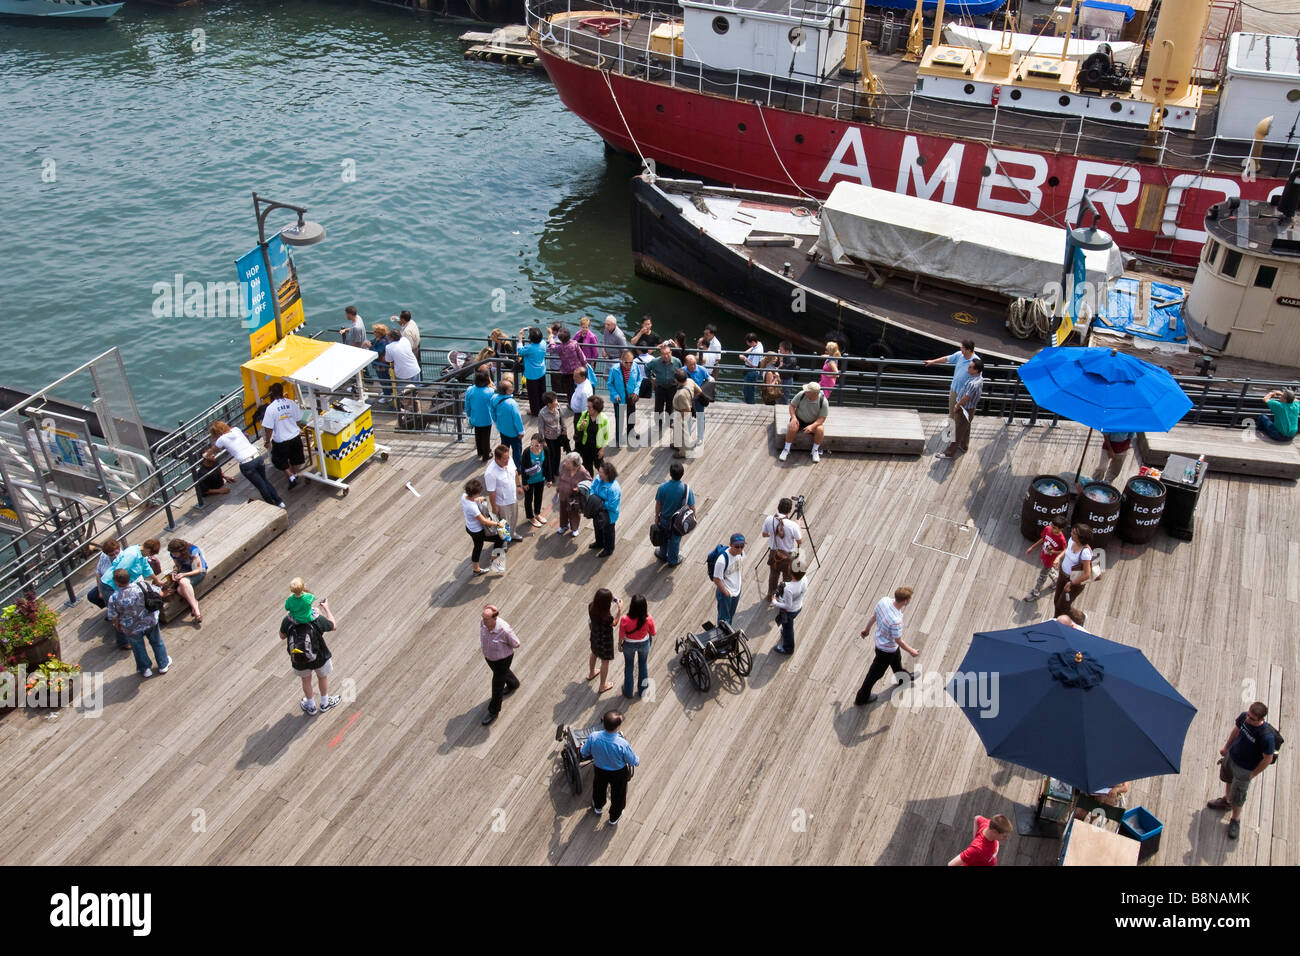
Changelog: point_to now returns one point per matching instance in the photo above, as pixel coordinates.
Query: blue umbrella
(1071, 705)
(1104, 389)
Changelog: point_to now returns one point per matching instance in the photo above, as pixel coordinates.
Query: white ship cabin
(803, 39)
(1245, 299)
(1262, 80)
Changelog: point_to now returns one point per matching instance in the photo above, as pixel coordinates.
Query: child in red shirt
(1051, 542)
(983, 850)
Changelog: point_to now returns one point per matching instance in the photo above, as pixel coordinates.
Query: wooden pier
(214, 763)
(507, 44)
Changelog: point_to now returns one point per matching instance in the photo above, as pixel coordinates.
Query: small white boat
(59, 9)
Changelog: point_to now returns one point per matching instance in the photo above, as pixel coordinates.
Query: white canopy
(334, 367)
(983, 249)
(976, 39)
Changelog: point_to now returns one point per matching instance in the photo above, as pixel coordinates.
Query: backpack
(153, 601)
(302, 642)
(713, 557)
(1278, 741)
(683, 520)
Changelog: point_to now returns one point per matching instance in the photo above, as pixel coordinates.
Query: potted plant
(29, 632)
(50, 683)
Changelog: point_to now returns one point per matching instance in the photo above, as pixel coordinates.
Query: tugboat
(784, 97)
(80, 10)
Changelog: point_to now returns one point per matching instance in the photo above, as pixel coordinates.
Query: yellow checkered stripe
(349, 446)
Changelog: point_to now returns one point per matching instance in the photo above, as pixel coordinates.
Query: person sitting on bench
(808, 412)
(1281, 425)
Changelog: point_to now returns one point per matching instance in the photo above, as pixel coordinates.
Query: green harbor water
(130, 151)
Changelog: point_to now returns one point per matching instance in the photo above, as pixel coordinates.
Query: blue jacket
(619, 394)
(505, 415)
(609, 493)
(478, 405)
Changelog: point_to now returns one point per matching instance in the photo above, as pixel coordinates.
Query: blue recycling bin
(1141, 825)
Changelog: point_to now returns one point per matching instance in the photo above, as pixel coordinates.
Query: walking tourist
(788, 602)
(499, 643)
(960, 360)
(613, 759)
(478, 408)
(582, 391)
(605, 487)
(481, 526)
(504, 486)
(570, 358)
(783, 536)
(788, 366)
(568, 503)
(752, 357)
(662, 371)
(672, 498)
(506, 417)
(830, 368)
(532, 352)
(136, 623)
(534, 481)
(251, 466)
(983, 849)
(1114, 450)
(283, 436)
(1050, 544)
(684, 397)
(1074, 568)
(551, 422)
(808, 412)
(624, 386)
(587, 341)
(888, 622)
(712, 348)
(1250, 749)
(725, 572)
(967, 400)
(310, 655)
(591, 432)
(603, 613)
(613, 342)
(635, 631)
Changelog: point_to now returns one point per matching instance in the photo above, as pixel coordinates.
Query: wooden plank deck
(214, 762)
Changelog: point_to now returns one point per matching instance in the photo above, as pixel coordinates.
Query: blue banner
(256, 289)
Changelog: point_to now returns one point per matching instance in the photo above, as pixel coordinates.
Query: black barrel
(1047, 497)
(1144, 503)
(1098, 507)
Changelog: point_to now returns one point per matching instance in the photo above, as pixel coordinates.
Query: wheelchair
(714, 643)
(571, 741)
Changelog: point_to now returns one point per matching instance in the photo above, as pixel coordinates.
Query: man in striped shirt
(967, 398)
(889, 639)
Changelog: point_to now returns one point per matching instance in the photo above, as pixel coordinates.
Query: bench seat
(228, 534)
(1235, 451)
(887, 431)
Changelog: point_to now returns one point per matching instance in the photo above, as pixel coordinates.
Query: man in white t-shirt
(726, 578)
(398, 354)
(283, 436)
(783, 536)
(582, 391)
(502, 482)
(712, 348)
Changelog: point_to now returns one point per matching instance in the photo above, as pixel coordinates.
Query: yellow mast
(938, 26)
(854, 49)
(916, 36)
(1069, 28)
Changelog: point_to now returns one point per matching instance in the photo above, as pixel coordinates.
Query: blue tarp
(1166, 303)
(1114, 7)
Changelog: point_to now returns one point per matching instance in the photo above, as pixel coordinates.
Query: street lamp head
(303, 232)
(1090, 239)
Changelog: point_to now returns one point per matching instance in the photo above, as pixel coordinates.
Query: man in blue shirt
(135, 563)
(533, 354)
(605, 487)
(613, 759)
(510, 424)
(478, 408)
(960, 360)
(624, 385)
(669, 499)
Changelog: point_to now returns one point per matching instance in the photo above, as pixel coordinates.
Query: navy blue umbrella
(1069, 704)
(1104, 389)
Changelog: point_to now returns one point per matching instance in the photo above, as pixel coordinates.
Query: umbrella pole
(1079, 471)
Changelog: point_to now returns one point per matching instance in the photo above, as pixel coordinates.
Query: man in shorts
(283, 436)
(321, 664)
(1247, 754)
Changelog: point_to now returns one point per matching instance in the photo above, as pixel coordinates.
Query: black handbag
(153, 601)
(657, 534)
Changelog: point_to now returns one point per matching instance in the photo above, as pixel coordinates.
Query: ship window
(1231, 263)
(1264, 277)
(1053, 181)
(969, 88)
(1064, 101)
(1016, 94)
(1292, 96)
(1211, 252)
(1116, 107)
(721, 25)
(798, 137)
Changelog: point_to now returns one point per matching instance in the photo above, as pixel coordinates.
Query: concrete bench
(887, 431)
(1236, 451)
(228, 534)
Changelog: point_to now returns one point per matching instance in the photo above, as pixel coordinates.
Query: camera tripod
(797, 514)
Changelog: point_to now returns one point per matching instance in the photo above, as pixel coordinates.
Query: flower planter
(35, 654)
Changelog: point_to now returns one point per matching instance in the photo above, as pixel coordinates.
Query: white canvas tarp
(975, 38)
(981, 249)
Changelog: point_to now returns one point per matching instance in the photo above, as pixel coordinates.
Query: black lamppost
(302, 233)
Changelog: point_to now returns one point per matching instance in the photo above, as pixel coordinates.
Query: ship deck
(895, 106)
(215, 764)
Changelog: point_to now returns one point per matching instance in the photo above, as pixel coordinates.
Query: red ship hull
(1150, 209)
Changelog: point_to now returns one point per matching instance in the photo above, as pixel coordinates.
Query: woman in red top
(983, 850)
(634, 633)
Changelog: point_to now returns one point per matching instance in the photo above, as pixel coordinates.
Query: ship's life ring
(602, 25)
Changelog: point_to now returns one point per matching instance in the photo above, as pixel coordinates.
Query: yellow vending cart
(339, 429)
